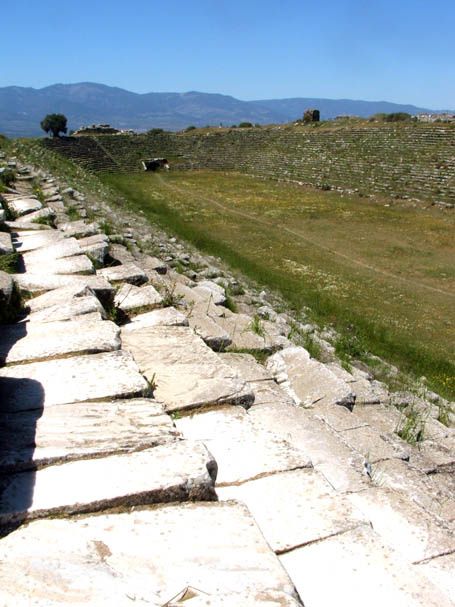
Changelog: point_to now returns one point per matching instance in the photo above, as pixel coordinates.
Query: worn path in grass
(383, 266)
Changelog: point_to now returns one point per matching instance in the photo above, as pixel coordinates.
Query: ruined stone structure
(147, 461)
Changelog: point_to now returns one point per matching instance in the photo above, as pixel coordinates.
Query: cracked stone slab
(67, 247)
(29, 240)
(429, 491)
(209, 330)
(81, 378)
(77, 307)
(341, 466)
(56, 297)
(403, 525)
(373, 446)
(308, 381)
(28, 342)
(440, 572)
(36, 283)
(44, 213)
(163, 317)
(240, 329)
(22, 206)
(295, 508)
(242, 450)
(128, 272)
(25, 226)
(209, 290)
(340, 418)
(34, 439)
(179, 471)
(191, 597)
(367, 391)
(129, 297)
(6, 244)
(147, 557)
(186, 371)
(79, 264)
(78, 228)
(362, 572)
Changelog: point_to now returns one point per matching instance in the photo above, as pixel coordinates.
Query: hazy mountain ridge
(22, 108)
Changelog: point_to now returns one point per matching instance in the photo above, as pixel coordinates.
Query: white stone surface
(27, 342)
(56, 297)
(143, 558)
(29, 240)
(164, 317)
(129, 297)
(242, 451)
(22, 206)
(177, 471)
(209, 330)
(354, 569)
(45, 212)
(295, 508)
(63, 248)
(81, 378)
(21, 225)
(6, 245)
(48, 282)
(78, 264)
(128, 272)
(78, 307)
(307, 380)
(78, 228)
(186, 372)
(78, 430)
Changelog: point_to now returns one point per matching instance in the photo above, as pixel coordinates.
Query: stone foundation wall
(416, 161)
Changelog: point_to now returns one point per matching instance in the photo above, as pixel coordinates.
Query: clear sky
(394, 50)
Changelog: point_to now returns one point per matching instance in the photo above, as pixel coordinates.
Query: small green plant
(444, 413)
(230, 303)
(170, 298)
(9, 263)
(411, 427)
(107, 228)
(7, 178)
(73, 213)
(38, 192)
(44, 221)
(256, 326)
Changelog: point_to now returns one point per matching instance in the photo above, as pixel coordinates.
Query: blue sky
(401, 51)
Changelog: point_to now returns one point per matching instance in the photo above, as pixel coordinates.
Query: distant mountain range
(22, 109)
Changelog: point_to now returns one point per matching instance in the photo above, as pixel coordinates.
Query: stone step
(341, 466)
(128, 272)
(37, 283)
(78, 264)
(29, 240)
(209, 330)
(81, 378)
(177, 471)
(34, 439)
(187, 373)
(295, 508)
(45, 212)
(146, 557)
(354, 569)
(66, 247)
(78, 228)
(129, 298)
(15, 227)
(56, 297)
(247, 333)
(308, 381)
(28, 342)
(76, 309)
(242, 450)
(164, 317)
(22, 206)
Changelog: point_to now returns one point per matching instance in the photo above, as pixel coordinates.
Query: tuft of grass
(256, 326)
(230, 303)
(73, 213)
(170, 298)
(45, 221)
(306, 340)
(411, 427)
(260, 355)
(9, 263)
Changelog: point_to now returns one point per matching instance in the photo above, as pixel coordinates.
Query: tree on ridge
(54, 123)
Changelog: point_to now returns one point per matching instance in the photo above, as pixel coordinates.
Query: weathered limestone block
(187, 373)
(147, 556)
(209, 290)
(56, 297)
(179, 471)
(295, 508)
(37, 283)
(129, 297)
(249, 334)
(403, 525)
(6, 244)
(44, 213)
(78, 228)
(308, 381)
(79, 264)
(33, 341)
(15, 227)
(209, 330)
(367, 391)
(440, 572)
(78, 379)
(362, 572)
(22, 206)
(96, 247)
(129, 272)
(29, 240)
(33, 439)
(340, 465)
(153, 264)
(373, 446)
(67, 247)
(242, 450)
(164, 317)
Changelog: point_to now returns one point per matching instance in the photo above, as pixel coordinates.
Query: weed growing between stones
(260, 355)
(411, 427)
(256, 326)
(73, 213)
(44, 221)
(9, 263)
(170, 298)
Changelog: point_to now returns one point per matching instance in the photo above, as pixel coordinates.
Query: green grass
(9, 263)
(374, 272)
